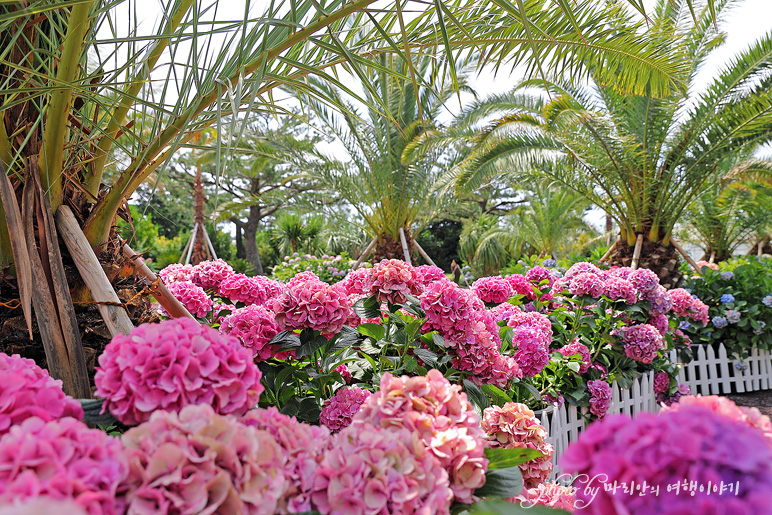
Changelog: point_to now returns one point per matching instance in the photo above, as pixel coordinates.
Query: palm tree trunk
(391, 248)
(660, 259)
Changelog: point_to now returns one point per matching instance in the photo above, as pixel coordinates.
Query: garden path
(760, 399)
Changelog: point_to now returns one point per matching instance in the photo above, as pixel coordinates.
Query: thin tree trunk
(240, 252)
(250, 239)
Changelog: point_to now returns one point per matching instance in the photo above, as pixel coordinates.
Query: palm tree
(641, 158)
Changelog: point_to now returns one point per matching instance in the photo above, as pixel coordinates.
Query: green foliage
(440, 240)
(141, 234)
(329, 269)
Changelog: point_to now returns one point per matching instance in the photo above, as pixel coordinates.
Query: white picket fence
(707, 374)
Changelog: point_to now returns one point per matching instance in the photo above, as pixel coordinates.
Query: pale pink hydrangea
(344, 372)
(691, 444)
(503, 311)
(661, 382)
(712, 266)
(355, 283)
(63, 460)
(311, 304)
(26, 390)
(193, 297)
(586, 284)
(209, 274)
(574, 348)
(521, 286)
(303, 277)
(338, 411)
(644, 280)
(642, 342)
(303, 447)
(172, 364)
(493, 289)
(254, 326)
(392, 281)
(548, 494)
(442, 418)
(375, 470)
(616, 288)
(198, 461)
(581, 267)
(427, 274)
(600, 397)
(514, 426)
(536, 320)
(176, 272)
(42, 506)
(532, 354)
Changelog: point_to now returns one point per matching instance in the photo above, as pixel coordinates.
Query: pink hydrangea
(481, 355)
(660, 301)
(303, 277)
(28, 391)
(535, 320)
(712, 266)
(176, 272)
(682, 301)
(220, 311)
(620, 289)
(574, 348)
(494, 289)
(548, 494)
(661, 382)
(198, 461)
(371, 470)
(514, 426)
(538, 274)
(600, 397)
(427, 274)
(751, 417)
(209, 274)
(254, 326)
(442, 418)
(586, 284)
(521, 286)
(581, 267)
(691, 444)
(392, 281)
(642, 342)
(63, 460)
(531, 354)
(303, 447)
(344, 373)
(503, 311)
(270, 288)
(620, 272)
(240, 288)
(193, 297)
(661, 323)
(311, 304)
(644, 280)
(339, 410)
(42, 506)
(355, 283)
(449, 309)
(170, 365)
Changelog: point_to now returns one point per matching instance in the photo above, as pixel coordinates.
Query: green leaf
(499, 396)
(365, 308)
(427, 356)
(505, 458)
(502, 483)
(476, 396)
(438, 340)
(309, 348)
(286, 340)
(375, 331)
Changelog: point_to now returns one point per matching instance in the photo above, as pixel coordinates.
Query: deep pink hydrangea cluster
(642, 341)
(376, 470)
(660, 301)
(616, 288)
(661, 323)
(203, 462)
(209, 274)
(355, 283)
(600, 397)
(63, 460)
(538, 274)
(586, 284)
(514, 426)
(254, 326)
(449, 310)
(661, 382)
(521, 286)
(644, 280)
(427, 274)
(193, 297)
(532, 354)
(339, 410)
(442, 418)
(344, 372)
(548, 494)
(240, 288)
(392, 280)
(503, 311)
(311, 304)
(220, 311)
(494, 289)
(303, 447)
(535, 320)
(176, 272)
(574, 348)
(481, 355)
(691, 444)
(172, 364)
(28, 391)
(687, 306)
(42, 506)
(268, 286)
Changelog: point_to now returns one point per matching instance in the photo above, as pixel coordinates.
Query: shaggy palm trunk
(391, 248)
(659, 258)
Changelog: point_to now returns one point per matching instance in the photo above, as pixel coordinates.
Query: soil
(761, 400)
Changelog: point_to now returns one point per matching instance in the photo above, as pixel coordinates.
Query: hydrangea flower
(355, 283)
(661, 382)
(536, 320)
(371, 469)
(493, 289)
(254, 326)
(600, 397)
(732, 316)
(574, 348)
(616, 288)
(303, 447)
(344, 373)
(193, 297)
(581, 267)
(548, 494)
(392, 281)
(442, 418)
(690, 444)
(28, 391)
(642, 342)
(200, 462)
(719, 321)
(449, 309)
(661, 323)
(727, 276)
(726, 298)
(712, 266)
(42, 506)
(586, 284)
(311, 304)
(767, 301)
(644, 280)
(176, 272)
(170, 365)
(240, 288)
(660, 301)
(481, 355)
(209, 274)
(538, 274)
(521, 286)
(503, 311)
(549, 263)
(514, 426)
(63, 460)
(682, 301)
(270, 288)
(531, 354)
(339, 410)
(681, 391)
(427, 274)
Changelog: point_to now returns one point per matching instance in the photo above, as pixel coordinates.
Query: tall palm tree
(641, 158)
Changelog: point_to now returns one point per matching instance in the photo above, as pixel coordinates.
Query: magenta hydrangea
(338, 411)
(574, 348)
(193, 297)
(311, 304)
(63, 460)
(661, 323)
(240, 288)
(581, 267)
(586, 284)
(172, 364)
(661, 382)
(687, 306)
(620, 272)
(371, 469)
(427, 274)
(503, 311)
(521, 286)
(494, 289)
(616, 288)
(303, 447)
(176, 272)
(538, 274)
(355, 283)
(644, 280)
(270, 288)
(600, 397)
(344, 372)
(481, 354)
(198, 461)
(449, 309)
(220, 311)
(28, 391)
(392, 281)
(254, 326)
(660, 301)
(514, 426)
(532, 354)
(535, 320)
(692, 444)
(442, 418)
(642, 341)
(209, 274)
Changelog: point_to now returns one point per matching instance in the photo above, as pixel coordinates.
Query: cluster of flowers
(329, 269)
